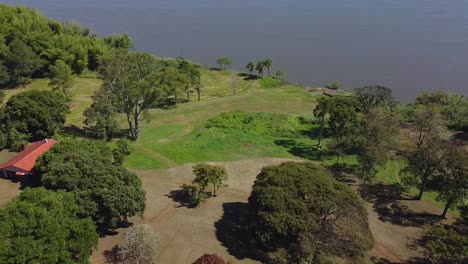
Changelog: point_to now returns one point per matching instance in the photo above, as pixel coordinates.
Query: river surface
(407, 45)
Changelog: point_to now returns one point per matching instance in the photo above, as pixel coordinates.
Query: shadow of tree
(112, 256)
(248, 77)
(24, 181)
(182, 196)
(303, 150)
(75, 131)
(414, 260)
(386, 203)
(234, 230)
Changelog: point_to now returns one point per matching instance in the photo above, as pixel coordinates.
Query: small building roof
(23, 163)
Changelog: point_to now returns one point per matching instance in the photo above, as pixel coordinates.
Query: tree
(139, 245)
(423, 163)
(280, 74)
(336, 85)
(133, 81)
(123, 148)
(428, 122)
(105, 191)
(320, 111)
(209, 174)
(173, 82)
(453, 180)
(223, 62)
(36, 114)
(369, 97)
(250, 67)
(119, 41)
(268, 63)
(376, 138)
(302, 214)
(21, 61)
(210, 259)
(456, 112)
(41, 226)
(193, 76)
(4, 76)
(446, 244)
(342, 122)
(102, 116)
(260, 67)
(61, 78)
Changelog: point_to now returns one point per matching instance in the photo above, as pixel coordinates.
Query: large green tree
(101, 116)
(61, 78)
(209, 174)
(268, 63)
(302, 214)
(42, 226)
(132, 80)
(375, 138)
(321, 110)
(105, 191)
(369, 97)
(223, 62)
(193, 75)
(35, 114)
(21, 61)
(250, 66)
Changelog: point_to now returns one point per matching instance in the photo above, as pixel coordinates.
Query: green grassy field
(181, 135)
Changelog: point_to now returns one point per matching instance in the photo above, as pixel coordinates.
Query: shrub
(139, 245)
(446, 244)
(210, 259)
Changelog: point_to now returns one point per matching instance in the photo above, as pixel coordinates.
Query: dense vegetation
(41, 226)
(105, 191)
(32, 115)
(301, 214)
(30, 43)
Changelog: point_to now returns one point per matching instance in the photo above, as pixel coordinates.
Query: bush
(41, 226)
(139, 245)
(303, 214)
(270, 82)
(446, 244)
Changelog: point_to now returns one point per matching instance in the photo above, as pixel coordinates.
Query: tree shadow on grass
(112, 256)
(414, 260)
(75, 131)
(248, 77)
(386, 200)
(306, 151)
(182, 196)
(234, 230)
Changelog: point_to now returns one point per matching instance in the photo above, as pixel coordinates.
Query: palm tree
(260, 67)
(268, 63)
(251, 67)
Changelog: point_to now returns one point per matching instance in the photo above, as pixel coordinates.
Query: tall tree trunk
(137, 123)
(130, 125)
(214, 190)
(198, 95)
(337, 158)
(421, 190)
(322, 121)
(188, 95)
(447, 206)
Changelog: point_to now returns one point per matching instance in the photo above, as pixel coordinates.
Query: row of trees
(368, 125)
(260, 66)
(31, 43)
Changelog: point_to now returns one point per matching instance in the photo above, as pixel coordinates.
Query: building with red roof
(23, 163)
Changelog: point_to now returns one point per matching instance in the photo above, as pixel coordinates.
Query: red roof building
(23, 163)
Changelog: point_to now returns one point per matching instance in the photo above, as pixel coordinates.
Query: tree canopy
(34, 114)
(105, 191)
(41, 226)
(303, 214)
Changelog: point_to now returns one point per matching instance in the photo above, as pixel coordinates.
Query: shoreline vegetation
(120, 115)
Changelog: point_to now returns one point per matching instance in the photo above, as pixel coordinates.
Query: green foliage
(280, 74)
(260, 67)
(268, 63)
(376, 139)
(61, 78)
(41, 226)
(336, 85)
(250, 66)
(269, 82)
(446, 244)
(35, 114)
(193, 75)
(102, 116)
(369, 97)
(209, 174)
(15, 141)
(223, 62)
(105, 192)
(342, 116)
(30, 43)
(123, 149)
(132, 79)
(301, 212)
